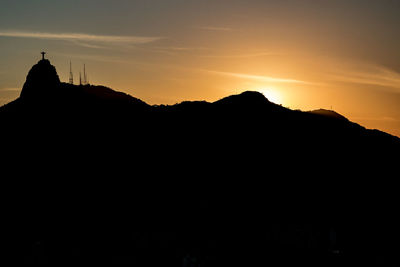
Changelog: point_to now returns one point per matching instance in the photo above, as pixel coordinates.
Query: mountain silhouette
(42, 81)
(245, 99)
(244, 181)
(329, 113)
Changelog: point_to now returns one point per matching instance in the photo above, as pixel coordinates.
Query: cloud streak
(81, 37)
(10, 89)
(261, 54)
(370, 75)
(217, 29)
(258, 77)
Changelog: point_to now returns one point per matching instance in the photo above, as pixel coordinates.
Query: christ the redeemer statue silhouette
(43, 53)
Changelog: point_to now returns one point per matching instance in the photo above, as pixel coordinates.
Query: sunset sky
(303, 54)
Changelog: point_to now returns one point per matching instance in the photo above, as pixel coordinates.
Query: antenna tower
(71, 75)
(84, 75)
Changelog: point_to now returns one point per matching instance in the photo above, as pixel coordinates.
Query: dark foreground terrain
(91, 175)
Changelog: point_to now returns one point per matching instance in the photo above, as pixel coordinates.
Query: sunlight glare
(272, 95)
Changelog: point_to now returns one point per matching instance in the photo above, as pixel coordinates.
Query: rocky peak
(42, 81)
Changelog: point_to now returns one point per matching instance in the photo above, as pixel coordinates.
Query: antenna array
(83, 80)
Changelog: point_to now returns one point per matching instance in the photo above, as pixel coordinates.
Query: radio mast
(84, 75)
(71, 75)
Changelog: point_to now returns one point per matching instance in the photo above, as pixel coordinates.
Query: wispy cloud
(182, 48)
(81, 38)
(175, 50)
(250, 55)
(8, 94)
(370, 75)
(215, 28)
(88, 45)
(98, 58)
(257, 77)
(10, 89)
(377, 118)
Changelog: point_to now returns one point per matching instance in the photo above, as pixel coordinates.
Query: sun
(272, 94)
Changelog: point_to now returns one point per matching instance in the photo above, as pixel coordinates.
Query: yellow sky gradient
(363, 92)
(340, 55)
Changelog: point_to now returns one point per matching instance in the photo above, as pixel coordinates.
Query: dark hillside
(241, 181)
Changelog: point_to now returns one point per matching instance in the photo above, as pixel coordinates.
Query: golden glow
(301, 56)
(362, 92)
(272, 94)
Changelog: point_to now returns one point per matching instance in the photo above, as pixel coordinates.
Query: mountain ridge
(87, 166)
(44, 76)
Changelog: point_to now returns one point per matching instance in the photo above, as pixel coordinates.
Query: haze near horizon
(340, 55)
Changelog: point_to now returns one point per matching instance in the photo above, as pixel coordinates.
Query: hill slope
(251, 182)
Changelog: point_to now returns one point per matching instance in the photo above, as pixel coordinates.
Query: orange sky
(302, 54)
